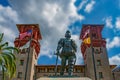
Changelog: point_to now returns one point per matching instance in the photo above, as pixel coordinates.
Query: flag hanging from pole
(27, 33)
(86, 33)
(87, 40)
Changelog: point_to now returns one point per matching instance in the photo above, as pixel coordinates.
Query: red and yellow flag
(87, 40)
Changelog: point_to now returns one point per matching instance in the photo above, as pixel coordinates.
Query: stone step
(60, 78)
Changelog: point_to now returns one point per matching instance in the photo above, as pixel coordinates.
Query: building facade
(94, 51)
(29, 48)
(116, 73)
(49, 71)
(93, 47)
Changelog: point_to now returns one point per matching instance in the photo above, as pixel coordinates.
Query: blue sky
(56, 16)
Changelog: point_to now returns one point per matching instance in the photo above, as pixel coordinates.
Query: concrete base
(60, 78)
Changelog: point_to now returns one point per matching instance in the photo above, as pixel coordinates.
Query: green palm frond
(7, 59)
(11, 48)
(13, 70)
(4, 45)
(1, 37)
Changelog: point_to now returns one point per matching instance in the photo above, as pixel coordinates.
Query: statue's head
(68, 34)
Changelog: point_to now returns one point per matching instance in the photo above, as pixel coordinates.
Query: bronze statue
(68, 48)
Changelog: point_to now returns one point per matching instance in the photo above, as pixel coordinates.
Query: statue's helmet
(68, 34)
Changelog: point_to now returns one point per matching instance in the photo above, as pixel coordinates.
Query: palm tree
(7, 59)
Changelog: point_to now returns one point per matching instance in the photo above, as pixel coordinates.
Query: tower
(94, 52)
(29, 48)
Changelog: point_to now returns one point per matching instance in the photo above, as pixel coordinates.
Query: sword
(57, 54)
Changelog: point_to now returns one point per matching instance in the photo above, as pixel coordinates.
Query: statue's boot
(71, 63)
(62, 70)
(63, 63)
(70, 71)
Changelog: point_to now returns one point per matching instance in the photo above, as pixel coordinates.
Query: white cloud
(115, 59)
(7, 32)
(53, 16)
(82, 4)
(7, 13)
(89, 6)
(114, 43)
(8, 20)
(79, 58)
(108, 22)
(117, 24)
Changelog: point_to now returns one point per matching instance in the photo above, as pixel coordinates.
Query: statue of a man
(68, 48)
